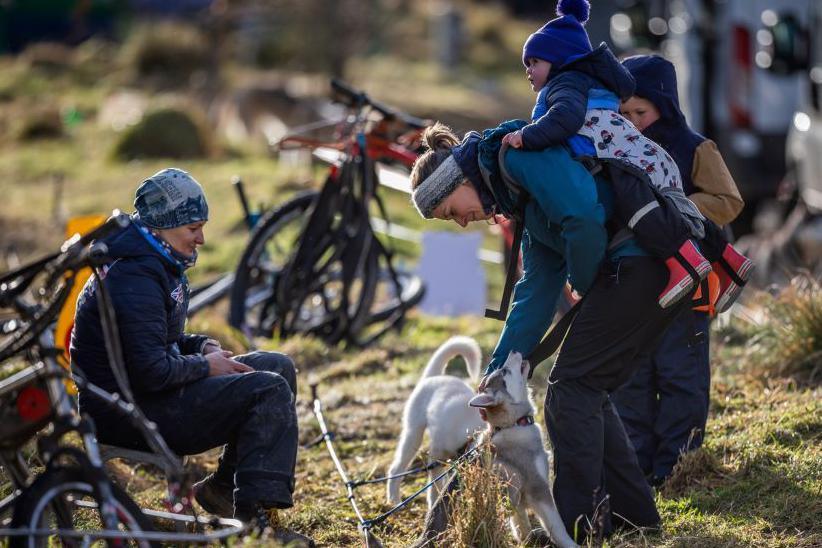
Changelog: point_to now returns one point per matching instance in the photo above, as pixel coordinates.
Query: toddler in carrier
(579, 91)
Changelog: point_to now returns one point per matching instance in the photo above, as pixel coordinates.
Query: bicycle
(314, 265)
(73, 487)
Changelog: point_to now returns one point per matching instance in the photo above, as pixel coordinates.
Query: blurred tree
(68, 21)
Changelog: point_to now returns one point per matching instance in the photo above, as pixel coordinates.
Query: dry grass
(479, 511)
(696, 469)
(788, 343)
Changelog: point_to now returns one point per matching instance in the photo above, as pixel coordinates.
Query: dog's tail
(453, 347)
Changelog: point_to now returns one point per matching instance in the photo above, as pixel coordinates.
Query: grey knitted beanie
(171, 198)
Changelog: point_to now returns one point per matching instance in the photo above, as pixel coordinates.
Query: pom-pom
(580, 9)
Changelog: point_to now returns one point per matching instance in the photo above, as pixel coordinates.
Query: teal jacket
(564, 236)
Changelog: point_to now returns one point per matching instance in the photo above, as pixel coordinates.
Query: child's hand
(513, 139)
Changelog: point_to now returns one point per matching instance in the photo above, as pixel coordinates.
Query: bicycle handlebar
(358, 98)
(76, 245)
(74, 253)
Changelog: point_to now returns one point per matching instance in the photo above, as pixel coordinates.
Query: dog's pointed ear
(525, 369)
(482, 400)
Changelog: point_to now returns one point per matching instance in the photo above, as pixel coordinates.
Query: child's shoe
(735, 271)
(682, 280)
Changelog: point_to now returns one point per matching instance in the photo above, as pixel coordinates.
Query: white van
(800, 50)
(804, 150)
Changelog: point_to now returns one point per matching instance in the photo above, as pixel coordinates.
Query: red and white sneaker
(734, 270)
(682, 281)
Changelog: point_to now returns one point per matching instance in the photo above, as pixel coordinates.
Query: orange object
(707, 294)
(65, 321)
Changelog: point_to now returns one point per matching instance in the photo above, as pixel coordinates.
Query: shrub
(167, 54)
(50, 57)
(168, 132)
(43, 122)
(789, 340)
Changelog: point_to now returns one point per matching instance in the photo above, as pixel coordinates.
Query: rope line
(350, 485)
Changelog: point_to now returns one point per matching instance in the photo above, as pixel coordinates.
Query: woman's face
(184, 239)
(537, 72)
(462, 206)
(640, 112)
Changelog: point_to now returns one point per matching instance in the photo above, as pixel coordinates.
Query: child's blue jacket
(561, 105)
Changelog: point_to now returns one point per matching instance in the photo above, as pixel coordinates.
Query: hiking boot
(734, 269)
(682, 266)
(266, 521)
(214, 496)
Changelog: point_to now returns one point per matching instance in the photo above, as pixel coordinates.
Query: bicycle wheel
(395, 291)
(68, 491)
(314, 306)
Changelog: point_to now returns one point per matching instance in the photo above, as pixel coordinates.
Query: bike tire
(254, 281)
(392, 299)
(56, 486)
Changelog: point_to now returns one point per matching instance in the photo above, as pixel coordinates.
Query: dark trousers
(619, 320)
(664, 406)
(252, 415)
(663, 230)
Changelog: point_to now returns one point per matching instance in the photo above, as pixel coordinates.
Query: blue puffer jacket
(564, 237)
(562, 103)
(149, 292)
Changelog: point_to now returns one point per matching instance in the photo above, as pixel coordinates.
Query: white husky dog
(438, 403)
(519, 449)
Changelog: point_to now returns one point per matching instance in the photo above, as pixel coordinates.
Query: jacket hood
(603, 66)
(478, 158)
(467, 156)
(136, 241)
(656, 81)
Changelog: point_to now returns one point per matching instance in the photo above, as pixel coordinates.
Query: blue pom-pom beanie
(562, 39)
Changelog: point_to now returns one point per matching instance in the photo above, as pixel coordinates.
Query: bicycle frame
(338, 227)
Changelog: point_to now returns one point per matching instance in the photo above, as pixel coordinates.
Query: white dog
(439, 403)
(519, 449)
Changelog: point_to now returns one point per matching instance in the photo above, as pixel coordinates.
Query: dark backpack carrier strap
(553, 339)
(513, 263)
(519, 227)
(704, 295)
(729, 270)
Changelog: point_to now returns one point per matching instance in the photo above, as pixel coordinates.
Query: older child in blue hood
(579, 91)
(665, 404)
(654, 110)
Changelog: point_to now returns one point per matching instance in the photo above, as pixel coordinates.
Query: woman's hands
(211, 345)
(220, 362)
(513, 139)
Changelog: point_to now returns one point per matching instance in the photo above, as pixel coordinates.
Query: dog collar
(525, 420)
